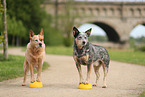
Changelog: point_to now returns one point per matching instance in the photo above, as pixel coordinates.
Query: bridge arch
(138, 23)
(137, 30)
(143, 23)
(112, 34)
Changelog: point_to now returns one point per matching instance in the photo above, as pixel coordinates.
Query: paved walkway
(61, 80)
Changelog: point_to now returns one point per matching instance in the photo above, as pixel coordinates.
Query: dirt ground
(61, 80)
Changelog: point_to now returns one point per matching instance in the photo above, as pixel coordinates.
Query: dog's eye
(85, 37)
(80, 37)
(41, 39)
(36, 40)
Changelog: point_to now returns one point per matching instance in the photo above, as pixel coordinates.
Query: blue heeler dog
(85, 53)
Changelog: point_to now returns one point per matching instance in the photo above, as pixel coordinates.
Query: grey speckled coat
(95, 52)
(85, 53)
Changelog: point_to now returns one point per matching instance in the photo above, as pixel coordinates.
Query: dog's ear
(88, 32)
(41, 32)
(31, 34)
(75, 32)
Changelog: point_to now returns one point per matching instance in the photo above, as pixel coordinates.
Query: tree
(5, 42)
(32, 16)
(56, 14)
(1, 22)
(16, 30)
(67, 20)
(27, 11)
(52, 36)
(30, 13)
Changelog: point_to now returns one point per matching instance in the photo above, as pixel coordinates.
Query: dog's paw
(86, 83)
(81, 83)
(38, 80)
(23, 84)
(95, 85)
(104, 86)
(32, 81)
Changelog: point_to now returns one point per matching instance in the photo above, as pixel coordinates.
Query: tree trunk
(56, 14)
(5, 42)
(13, 40)
(20, 41)
(17, 41)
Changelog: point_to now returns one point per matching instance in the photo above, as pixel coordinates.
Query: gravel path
(61, 80)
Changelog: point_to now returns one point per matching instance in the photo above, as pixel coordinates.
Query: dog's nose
(84, 42)
(40, 44)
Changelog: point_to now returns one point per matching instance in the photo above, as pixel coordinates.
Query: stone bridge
(117, 19)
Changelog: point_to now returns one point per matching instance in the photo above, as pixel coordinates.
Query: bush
(137, 43)
(15, 29)
(13, 67)
(67, 41)
(141, 48)
(52, 36)
(142, 94)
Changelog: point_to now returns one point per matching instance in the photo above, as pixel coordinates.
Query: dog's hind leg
(96, 70)
(26, 68)
(105, 69)
(80, 72)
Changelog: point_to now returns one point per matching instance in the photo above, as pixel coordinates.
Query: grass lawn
(59, 50)
(142, 94)
(13, 67)
(130, 56)
(1, 47)
(133, 57)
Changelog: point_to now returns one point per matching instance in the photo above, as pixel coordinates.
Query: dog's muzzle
(84, 42)
(40, 44)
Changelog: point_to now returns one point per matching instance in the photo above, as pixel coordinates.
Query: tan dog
(34, 56)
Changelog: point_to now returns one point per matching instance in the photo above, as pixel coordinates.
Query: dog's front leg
(89, 68)
(80, 72)
(39, 69)
(32, 73)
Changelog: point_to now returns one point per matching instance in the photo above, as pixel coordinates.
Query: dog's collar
(83, 51)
